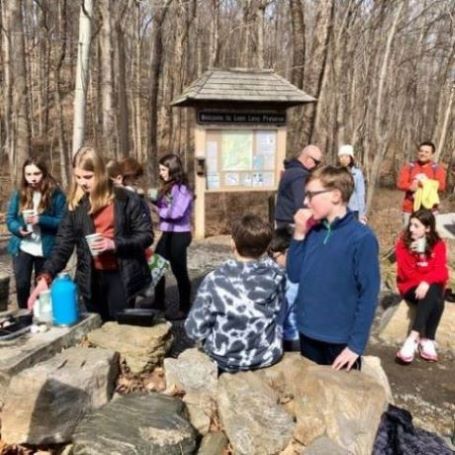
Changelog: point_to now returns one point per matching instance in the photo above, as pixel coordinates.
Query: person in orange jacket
(413, 175)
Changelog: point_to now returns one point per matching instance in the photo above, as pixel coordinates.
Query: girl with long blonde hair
(111, 269)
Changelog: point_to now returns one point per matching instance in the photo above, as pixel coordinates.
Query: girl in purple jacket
(174, 206)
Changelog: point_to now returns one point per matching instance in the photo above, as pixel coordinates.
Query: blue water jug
(65, 308)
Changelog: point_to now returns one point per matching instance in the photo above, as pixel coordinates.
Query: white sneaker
(407, 352)
(427, 350)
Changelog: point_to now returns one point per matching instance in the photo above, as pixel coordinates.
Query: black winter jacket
(132, 235)
(291, 191)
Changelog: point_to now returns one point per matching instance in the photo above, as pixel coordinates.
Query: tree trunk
(159, 15)
(82, 73)
(107, 87)
(382, 137)
(298, 43)
(20, 101)
(62, 28)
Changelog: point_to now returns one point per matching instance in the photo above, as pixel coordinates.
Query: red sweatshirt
(413, 268)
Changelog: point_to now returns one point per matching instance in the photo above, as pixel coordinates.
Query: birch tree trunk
(107, 87)
(445, 124)
(82, 73)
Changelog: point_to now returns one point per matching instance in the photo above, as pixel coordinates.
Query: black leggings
(108, 295)
(172, 246)
(429, 310)
(23, 265)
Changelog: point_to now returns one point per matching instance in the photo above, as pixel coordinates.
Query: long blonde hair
(88, 159)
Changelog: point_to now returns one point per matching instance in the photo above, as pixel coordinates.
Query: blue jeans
(323, 353)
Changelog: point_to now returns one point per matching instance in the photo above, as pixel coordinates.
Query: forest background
(383, 73)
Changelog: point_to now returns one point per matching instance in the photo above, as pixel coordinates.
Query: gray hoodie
(237, 314)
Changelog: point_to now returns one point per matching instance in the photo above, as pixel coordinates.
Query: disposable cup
(91, 239)
(153, 193)
(420, 245)
(25, 214)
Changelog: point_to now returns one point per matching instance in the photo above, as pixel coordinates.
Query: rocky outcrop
(28, 350)
(137, 424)
(143, 348)
(196, 374)
(252, 419)
(347, 407)
(44, 403)
(396, 323)
(344, 406)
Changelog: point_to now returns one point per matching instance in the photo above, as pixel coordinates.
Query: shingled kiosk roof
(238, 85)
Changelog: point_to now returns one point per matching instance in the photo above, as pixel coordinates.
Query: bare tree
(82, 73)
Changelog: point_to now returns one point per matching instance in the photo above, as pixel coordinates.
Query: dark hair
(176, 173)
(427, 218)
(47, 188)
(428, 144)
(251, 236)
(114, 169)
(334, 178)
(131, 167)
(281, 240)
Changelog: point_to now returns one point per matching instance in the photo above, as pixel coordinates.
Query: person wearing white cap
(357, 201)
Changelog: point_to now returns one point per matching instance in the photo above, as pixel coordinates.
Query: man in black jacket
(291, 190)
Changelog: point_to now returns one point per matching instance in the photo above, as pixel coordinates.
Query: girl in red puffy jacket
(421, 277)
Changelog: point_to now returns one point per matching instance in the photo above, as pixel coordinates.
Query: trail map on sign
(237, 151)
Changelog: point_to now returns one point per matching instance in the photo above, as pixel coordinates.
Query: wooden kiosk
(240, 132)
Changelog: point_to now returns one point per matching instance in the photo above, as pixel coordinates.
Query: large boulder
(372, 367)
(346, 406)
(29, 349)
(213, 444)
(143, 348)
(137, 424)
(252, 419)
(196, 374)
(397, 320)
(44, 403)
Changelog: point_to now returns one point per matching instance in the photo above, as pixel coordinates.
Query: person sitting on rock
(421, 277)
(237, 312)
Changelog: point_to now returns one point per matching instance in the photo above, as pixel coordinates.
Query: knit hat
(346, 150)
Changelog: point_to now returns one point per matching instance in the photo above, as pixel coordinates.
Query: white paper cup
(420, 245)
(25, 214)
(92, 238)
(153, 193)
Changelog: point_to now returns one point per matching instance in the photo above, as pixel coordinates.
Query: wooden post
(199, 185)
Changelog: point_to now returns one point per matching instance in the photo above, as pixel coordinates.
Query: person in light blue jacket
(35, 211)
(357, 203)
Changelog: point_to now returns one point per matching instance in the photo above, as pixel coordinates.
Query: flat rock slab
(45, 403)
(137, 424)
(29, 349)
(143, 348)
(445, 224)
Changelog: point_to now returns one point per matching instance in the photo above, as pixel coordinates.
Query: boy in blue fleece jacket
(335, 260)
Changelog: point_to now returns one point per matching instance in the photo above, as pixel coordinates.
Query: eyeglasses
(310, 194)
(315, 161)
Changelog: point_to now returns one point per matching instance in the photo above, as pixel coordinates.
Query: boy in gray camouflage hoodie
(238, 309)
